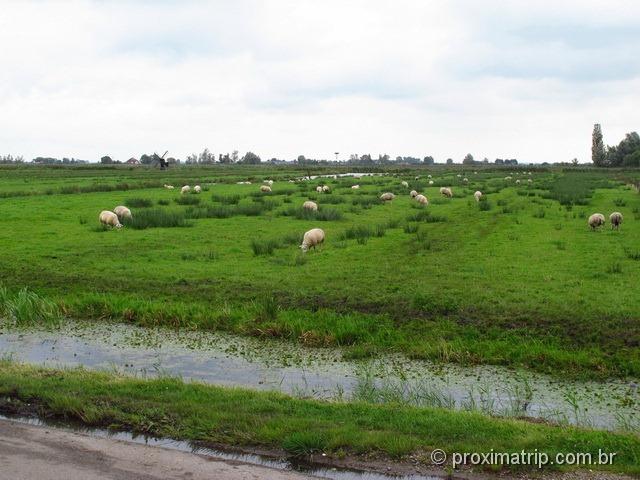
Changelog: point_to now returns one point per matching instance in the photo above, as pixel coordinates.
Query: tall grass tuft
(322, 214)
(156, 217)
(187, 200)
(27, 308)
(264, 247)
(138, 202)
(426, 216)
(227, 199)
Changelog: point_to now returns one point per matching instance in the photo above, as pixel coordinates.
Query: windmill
(160, 160)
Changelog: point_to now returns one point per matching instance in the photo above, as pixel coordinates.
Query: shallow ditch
(222, 359)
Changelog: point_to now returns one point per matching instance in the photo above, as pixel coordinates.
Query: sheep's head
(304, 247)
(118, 225)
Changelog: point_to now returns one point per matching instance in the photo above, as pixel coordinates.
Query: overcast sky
(523, 79)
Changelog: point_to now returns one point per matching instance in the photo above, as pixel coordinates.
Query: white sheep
(185, 189)
(168, 187)
(616, 219)
(197, 189)
(319, 189)
(386, 197)
(122, 212)
(265, 188)
(417, 177)
(309, 205)
(413, 194)
(529, 180)
(325, 188)
(507, 178)
(445, 191)
(404, 184)
(465, 180)
(430, 182)
(421, 199)
(268, 182)
(518, 182)
(312, 238)
(478, 195)
(429, 176)
(109, 218)
(459, 176)
(355, 187)
(596, 220)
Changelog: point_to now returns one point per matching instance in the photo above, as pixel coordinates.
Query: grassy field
(518, 279)
(211, 415)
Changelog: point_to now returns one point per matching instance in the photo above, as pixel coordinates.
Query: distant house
(132, 161)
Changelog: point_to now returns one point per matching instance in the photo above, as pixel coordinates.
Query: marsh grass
(164, 202)
(156, 218)
(138, 202)
(322, 214)
(27, 308)
(187, 200)
(264, 247)
(426, 216)
(227, 199)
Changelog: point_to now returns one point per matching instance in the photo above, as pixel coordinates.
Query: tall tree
(598, 154)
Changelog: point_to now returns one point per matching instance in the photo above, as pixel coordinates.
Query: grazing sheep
(477, 195)
(168, 187)
(109, 218)
(429, 176)
(197, 189)
(312, 238)
(430, 182)
(185, 189)
(596, 220)
(507, 178)
(309, 205)
(122, 212)
(268, 182)
(459, 176)
(529, 180)
(404, 184)
(446, 192)
(421, 199)
(413, 194)
(475, 173)
(616, 219)
(325, 188)
(355, 187)
(387, 197)
(265, 188)
(518, 182)
(465, 180)
(319, 189)
(417, 177)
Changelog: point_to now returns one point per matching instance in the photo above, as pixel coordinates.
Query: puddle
(229, 360)
(253, 459)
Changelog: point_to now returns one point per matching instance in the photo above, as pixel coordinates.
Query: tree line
(625, 154)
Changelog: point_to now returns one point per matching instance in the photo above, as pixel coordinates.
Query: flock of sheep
(316, 236)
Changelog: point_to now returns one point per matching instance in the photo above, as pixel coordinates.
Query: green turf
(516, 280)
(212, 415)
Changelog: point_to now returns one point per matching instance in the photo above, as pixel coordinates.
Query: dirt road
(31, 452)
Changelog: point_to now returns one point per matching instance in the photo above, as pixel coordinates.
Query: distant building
(132, 161)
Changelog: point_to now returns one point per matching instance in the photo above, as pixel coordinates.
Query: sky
(282, 78)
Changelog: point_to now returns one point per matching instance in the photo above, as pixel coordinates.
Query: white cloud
(495, 78)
